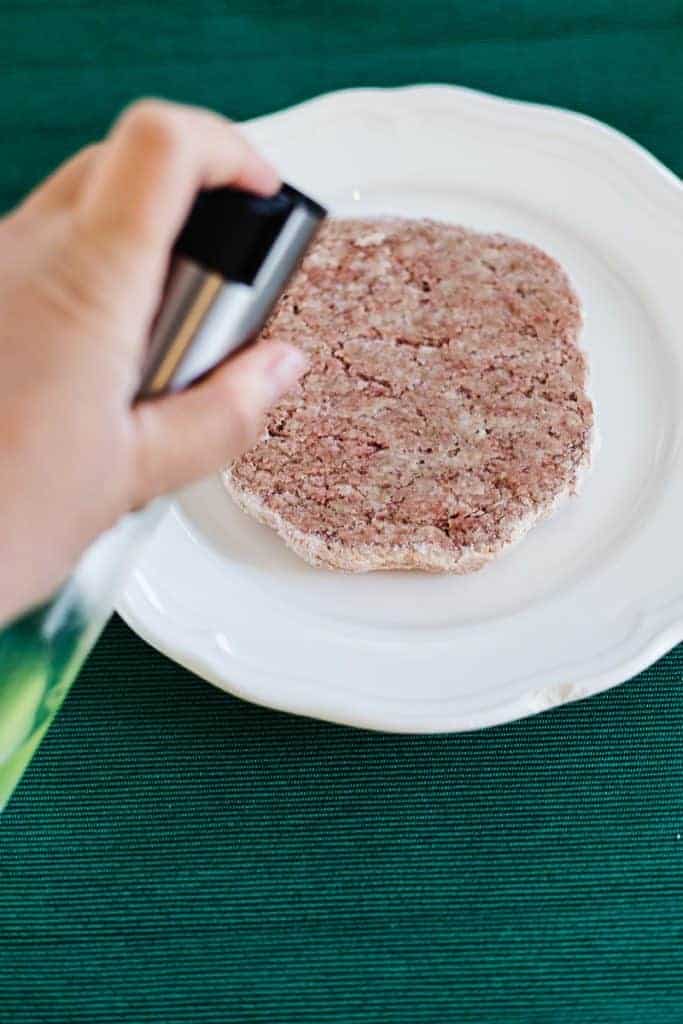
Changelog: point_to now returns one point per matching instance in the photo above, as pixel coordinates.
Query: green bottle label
(40, 654)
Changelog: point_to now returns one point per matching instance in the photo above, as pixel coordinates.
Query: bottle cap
(231, 232)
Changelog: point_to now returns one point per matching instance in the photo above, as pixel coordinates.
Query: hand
(82, 264)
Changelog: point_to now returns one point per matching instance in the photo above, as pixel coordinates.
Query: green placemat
(175, 855)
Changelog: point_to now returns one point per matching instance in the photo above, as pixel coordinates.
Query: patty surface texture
(444, 410)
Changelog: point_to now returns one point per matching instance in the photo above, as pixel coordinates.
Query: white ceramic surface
(588, 598)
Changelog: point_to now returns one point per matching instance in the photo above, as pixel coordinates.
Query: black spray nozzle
(231, 232)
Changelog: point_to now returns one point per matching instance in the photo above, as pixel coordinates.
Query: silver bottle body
(204, 318)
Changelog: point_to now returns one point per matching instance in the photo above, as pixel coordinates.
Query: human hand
(82, 265)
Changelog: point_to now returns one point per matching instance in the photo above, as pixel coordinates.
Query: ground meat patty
(444, 411)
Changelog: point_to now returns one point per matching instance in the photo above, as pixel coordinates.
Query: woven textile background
(176, 855)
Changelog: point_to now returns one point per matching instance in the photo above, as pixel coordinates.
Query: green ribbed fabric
(175, 855)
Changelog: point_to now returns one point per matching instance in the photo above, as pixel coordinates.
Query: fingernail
(270, 181)
(265, 178)
(284, 371)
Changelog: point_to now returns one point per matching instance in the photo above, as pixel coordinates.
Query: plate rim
(448, 93)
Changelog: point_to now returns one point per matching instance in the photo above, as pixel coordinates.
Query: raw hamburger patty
(444, 411)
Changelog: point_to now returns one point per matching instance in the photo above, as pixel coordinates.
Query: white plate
(588, 598)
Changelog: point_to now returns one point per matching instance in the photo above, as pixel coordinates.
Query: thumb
(183, 437)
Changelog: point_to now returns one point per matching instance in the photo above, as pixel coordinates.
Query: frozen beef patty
(445, 408)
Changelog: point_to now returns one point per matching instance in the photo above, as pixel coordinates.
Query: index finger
(157, 157)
